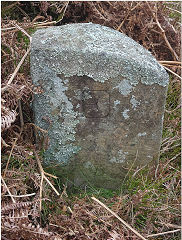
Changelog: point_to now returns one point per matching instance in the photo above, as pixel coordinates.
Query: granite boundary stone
(102, 103)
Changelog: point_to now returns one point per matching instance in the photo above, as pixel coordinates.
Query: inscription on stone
(95, 103)
(105, 96)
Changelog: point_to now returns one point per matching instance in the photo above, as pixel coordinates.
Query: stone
(102, 102)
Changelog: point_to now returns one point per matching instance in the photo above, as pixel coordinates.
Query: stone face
(102, 102)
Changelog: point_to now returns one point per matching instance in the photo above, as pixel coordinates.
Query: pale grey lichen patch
(61, 135)
(142, 134)
(78, 105)
(113, 160)
(120, 157)
(87, 42)
(125, 113)
(155, 135)
(89, 165)
(134, 102)
(116, 102)
(124, 87)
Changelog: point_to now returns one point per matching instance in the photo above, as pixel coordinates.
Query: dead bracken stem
(167, 65)
(65, 7)
(22, 196)
(37, 128)
(21, 62)
(8, 190)
(16, 70)
(170, 62)
(172, 72)
(128, 13)
(120, 219)
(42, 179)
(10, 156)
(120, 26)
(21, 29)
(163, 233)
(163, 32)
(4, 143)
(21, 115)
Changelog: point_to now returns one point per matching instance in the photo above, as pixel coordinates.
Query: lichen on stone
(125, 113)
(64, 59)
(134, 102)
(94, 48)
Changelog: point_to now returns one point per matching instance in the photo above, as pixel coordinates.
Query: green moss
(13, 162)
(6, 49)
(141, 221)
(22, 37)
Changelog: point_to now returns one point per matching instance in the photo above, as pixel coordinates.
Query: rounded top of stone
(88, 39)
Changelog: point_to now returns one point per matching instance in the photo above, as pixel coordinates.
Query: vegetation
(37, 205)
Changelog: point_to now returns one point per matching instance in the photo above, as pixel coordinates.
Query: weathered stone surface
(102, 102)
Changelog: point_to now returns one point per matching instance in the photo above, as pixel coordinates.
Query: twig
(26, 15)
(156, 170)
(172, 9)
(128, 13)
(70, 210)
(10, 6)
(175, 170)
(10, 156)
(44, 23)
(4, 143)
(51, 185)
(41, 188)
(168, 147)
(168, 65)
(167, 140)
(169, 70)
(50, 175)
(138, 170)
(42, 179)
(121, 220)
(170, 62)
(22, 30)
(17, 196)
(8, 190)
(126, 16)
(166, 40)
(16, 70)
(21, 115)
(66, 5)
(163, 33)
(170, 225)
(21, 62)
(163, 233)
(14, 29)
(170, 160)
(37, 127)
(98, 12)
